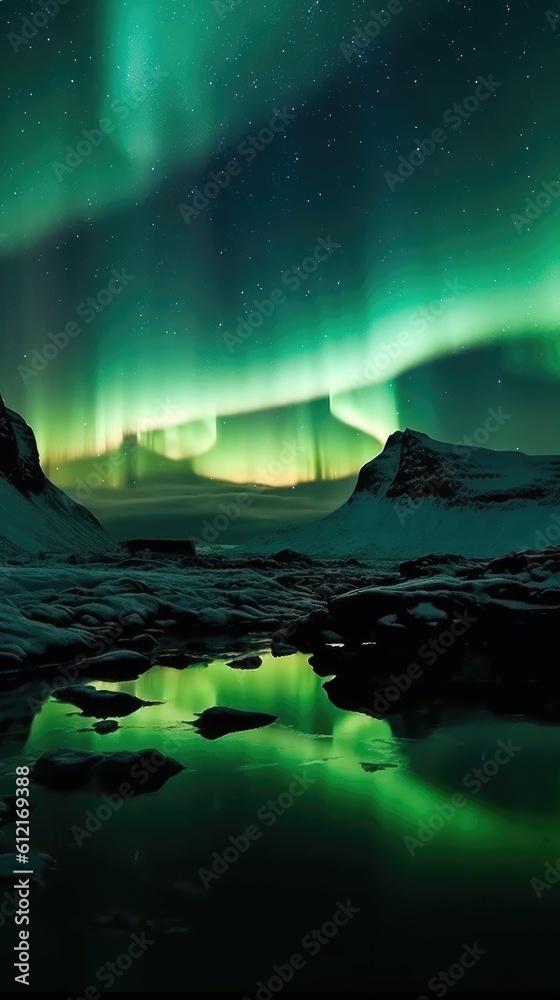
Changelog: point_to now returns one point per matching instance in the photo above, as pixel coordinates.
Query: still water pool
(464, 877)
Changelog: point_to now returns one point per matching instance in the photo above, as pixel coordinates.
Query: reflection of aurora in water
(292, 380)
(342, 839)
(311, 732)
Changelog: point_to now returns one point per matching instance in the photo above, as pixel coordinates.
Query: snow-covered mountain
(421, 496)
(35, 516)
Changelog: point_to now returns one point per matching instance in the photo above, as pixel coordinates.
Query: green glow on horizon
(163, 339)
(193, 428)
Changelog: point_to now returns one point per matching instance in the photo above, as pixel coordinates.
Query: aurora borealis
(435, 305)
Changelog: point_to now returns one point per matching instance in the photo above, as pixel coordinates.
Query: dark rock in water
(101, 704)
(142, 770)
(370, 768)
(116, 665)
(246, 663)
(279, 649)
(64, 768)
(146, 770)
(354, 692)
(181, 658)
(219, 721)
(105, 726)
(333, 660)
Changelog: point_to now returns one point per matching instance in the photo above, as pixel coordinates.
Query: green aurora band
(325, 374)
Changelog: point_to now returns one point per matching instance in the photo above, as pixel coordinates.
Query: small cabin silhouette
(168, 546)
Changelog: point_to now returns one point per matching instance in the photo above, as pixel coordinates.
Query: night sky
(384, 300)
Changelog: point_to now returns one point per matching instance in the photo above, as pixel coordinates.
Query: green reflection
(311, 732)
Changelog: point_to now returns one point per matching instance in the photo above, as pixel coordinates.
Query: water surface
(341, 840)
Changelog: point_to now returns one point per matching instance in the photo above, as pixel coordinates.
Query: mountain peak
(409, 435)
(34, 514)
(8, 444)
(410, 438)
(408, 457)
(421, 496)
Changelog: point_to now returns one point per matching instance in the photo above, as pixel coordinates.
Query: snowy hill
(35, 516)
(420, 496)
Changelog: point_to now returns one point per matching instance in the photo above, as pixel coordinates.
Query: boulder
(142, 770)
(219, 721)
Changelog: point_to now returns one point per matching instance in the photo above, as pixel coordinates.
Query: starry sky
(246, 240)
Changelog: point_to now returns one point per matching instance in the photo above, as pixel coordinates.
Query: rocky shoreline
(446, 626)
